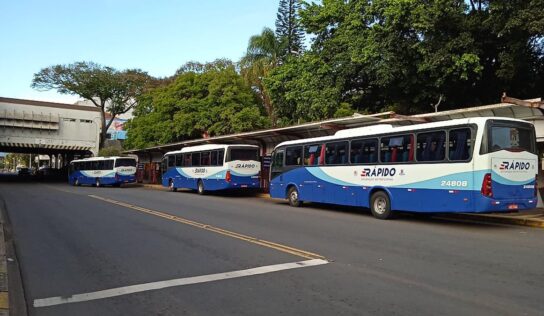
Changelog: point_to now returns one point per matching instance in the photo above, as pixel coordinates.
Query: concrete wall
(69, 125)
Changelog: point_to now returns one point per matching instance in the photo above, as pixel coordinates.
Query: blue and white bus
(212, 167)
(100, 171)
(462, 165)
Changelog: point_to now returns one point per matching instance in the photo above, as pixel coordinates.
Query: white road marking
(43, 302)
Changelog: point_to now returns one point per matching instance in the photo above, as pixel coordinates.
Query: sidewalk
(532, 218)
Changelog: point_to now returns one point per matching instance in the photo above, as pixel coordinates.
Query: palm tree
(263, 54)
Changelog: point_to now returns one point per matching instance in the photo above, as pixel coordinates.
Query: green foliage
(407, 54)
(13, 160)
(263, 52)
(303, 90)
(210, 99)
(110, 152)
(288, 30)
(108, 89)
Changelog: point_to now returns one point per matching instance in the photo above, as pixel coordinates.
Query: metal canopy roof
(278, 135)
(329, 127)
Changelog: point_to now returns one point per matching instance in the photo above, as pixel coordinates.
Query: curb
(501, 219)
(4, 293)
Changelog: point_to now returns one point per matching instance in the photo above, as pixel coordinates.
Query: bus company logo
(514, 166)
(378, 172)
(245, 165)
(200, 170)
(125, 169)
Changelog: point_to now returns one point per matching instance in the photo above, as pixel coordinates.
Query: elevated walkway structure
(28, 126)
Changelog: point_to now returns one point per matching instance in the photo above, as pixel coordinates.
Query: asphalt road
(69, 240)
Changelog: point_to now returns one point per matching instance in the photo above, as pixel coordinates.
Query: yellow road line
(253, 240)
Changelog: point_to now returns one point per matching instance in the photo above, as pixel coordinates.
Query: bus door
(164, 167)
(277, 185)
(310, 188)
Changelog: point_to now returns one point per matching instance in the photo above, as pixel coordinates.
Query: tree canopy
(365, 56)
(288, 30)
(108, 89)
(262, 55)
(406, 55)
(202, 100)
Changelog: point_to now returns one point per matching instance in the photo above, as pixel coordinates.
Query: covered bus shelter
(529, 110)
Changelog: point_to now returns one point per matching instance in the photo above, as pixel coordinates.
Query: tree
(288, 30)
(203, 100)
(108, 89)
(304, 90)
(262, 56)
(14, 160)
(406, 55)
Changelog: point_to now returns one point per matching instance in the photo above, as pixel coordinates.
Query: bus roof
(101, 158)
(208, 147)
(387, 128)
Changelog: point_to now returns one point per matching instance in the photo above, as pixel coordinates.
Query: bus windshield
(244, 154)
(511, 138)
(125, 162)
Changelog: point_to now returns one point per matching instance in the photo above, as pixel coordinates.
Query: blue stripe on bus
(423, 196)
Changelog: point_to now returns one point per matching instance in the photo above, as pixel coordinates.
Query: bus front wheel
(293, 197)
(380, 205)
(171, 186)
(200, 187)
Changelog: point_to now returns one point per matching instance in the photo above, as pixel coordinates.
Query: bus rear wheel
(171, 186)
(380, 205)
(293, 197)
(200, 188)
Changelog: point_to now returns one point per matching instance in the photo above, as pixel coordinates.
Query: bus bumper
(485, 204)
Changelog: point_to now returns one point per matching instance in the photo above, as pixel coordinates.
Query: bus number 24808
(454, 183)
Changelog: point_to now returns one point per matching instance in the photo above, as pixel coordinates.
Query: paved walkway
(533, 218)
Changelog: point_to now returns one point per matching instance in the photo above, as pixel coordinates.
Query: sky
(157, 36)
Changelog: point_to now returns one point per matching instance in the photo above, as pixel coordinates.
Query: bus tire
(97, 183)
(171, 186)
(200, 187)
(380, 205)
(293, 197)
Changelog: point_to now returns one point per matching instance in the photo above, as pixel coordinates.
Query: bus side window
(312, 155)
(220, 157)
(213, 159)
(171, 161)
(187, 159)
(179, 160)
(364, 151)
(460, 144)
(430, 146)
(196, 160)
(205, 159)
(293, 156)
(336, 153)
